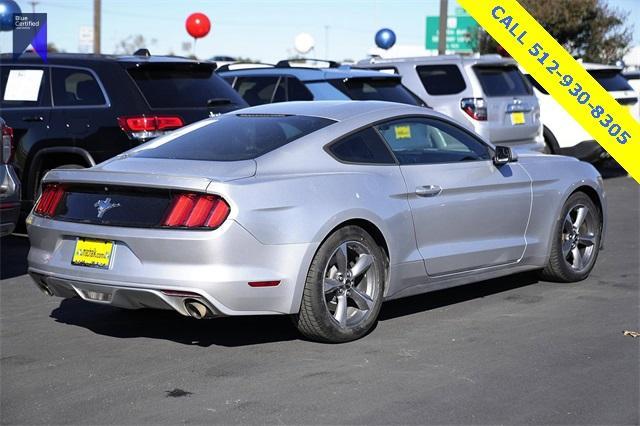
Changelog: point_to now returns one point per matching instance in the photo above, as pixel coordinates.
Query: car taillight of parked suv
(77, 110)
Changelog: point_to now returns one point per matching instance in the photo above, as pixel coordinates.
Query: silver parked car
(321, 210)
(9, 183)
(486, 93)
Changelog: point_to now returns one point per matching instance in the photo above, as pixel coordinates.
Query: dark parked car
(9, 183)
(304, 81)
(78, 110)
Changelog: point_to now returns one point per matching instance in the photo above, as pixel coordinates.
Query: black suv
(77, 110)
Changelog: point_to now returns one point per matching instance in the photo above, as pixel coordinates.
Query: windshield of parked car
(183, 85)
(611, 80)
(376, 89)
(235, 137)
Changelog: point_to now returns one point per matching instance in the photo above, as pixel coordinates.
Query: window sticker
(402, 132)
(23, 85)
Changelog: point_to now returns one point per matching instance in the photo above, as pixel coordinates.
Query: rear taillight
(196, 211)
(7, 144)
(143, 128)
(475, 108)
(48, 202)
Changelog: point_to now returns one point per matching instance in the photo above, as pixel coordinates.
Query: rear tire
(344, 288)
(576, 241)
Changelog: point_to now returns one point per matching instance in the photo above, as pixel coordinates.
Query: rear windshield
(183, 85)
(376, 89)
(610, 80)
(502, 81)
(235, 137)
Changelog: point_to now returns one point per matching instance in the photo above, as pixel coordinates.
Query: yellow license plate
(517, 118)
(94, 253)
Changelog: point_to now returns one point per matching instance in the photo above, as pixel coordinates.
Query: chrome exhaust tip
(196, 309)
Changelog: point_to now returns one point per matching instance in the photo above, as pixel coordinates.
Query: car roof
(307, 73)
(481, 59)
(75, 58)
(335, 110)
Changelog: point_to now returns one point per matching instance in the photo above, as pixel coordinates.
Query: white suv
(487, 93)
(562, 134)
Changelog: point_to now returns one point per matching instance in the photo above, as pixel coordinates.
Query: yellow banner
(608, 122)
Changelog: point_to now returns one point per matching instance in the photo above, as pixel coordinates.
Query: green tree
(588, 29)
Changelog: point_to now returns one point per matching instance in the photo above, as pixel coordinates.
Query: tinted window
(256, 90)
(23, 87)
(418, 141)
(376, 89)
(75, 87)
(297, 91)
(362, 147)
(441, 79)
(235, 137)
(610, 80)
(181, 85)
(502, 81)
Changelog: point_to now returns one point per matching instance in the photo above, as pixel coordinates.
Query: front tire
(344, 288)
(576, 241)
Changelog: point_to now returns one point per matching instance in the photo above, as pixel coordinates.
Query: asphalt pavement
(506, 351)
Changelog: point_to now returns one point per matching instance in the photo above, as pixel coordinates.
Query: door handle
(33, 118)
(428, 190)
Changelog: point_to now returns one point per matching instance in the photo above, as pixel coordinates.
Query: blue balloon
(385, 38)
(7, 9)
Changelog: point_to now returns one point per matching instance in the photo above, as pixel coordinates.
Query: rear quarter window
(502, 80)
(441, 79)
(182, 85)
(234, 137)
(363, 147)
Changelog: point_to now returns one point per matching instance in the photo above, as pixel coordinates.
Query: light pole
(96, 26)
(442, 39)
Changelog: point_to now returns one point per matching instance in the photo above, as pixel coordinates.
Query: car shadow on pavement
(13, 256)
(437, 299)
(242, 331)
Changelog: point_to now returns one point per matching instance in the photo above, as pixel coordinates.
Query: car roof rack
(241, 65)
(290, 63)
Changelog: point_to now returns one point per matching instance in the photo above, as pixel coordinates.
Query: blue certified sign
(30, 29)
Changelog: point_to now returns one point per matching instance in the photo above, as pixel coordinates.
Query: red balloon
(198, 25)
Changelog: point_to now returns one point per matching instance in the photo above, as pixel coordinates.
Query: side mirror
(504, 155)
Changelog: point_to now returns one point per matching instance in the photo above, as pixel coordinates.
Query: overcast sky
(257, 29)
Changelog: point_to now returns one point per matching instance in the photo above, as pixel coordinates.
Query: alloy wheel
(349, 284)
(579, 236)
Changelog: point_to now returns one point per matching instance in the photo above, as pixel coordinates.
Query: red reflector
(196, 211)
(264, 283)
(48, 203)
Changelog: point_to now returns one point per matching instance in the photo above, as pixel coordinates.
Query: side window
(423, 141)
(297, 91)
(441, 79)
(74, 87)
(256, 90)
(364, 146)
(23, 87)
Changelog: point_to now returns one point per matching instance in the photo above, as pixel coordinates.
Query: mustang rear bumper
(166, 269)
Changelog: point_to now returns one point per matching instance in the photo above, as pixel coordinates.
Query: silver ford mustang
(321, 210)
